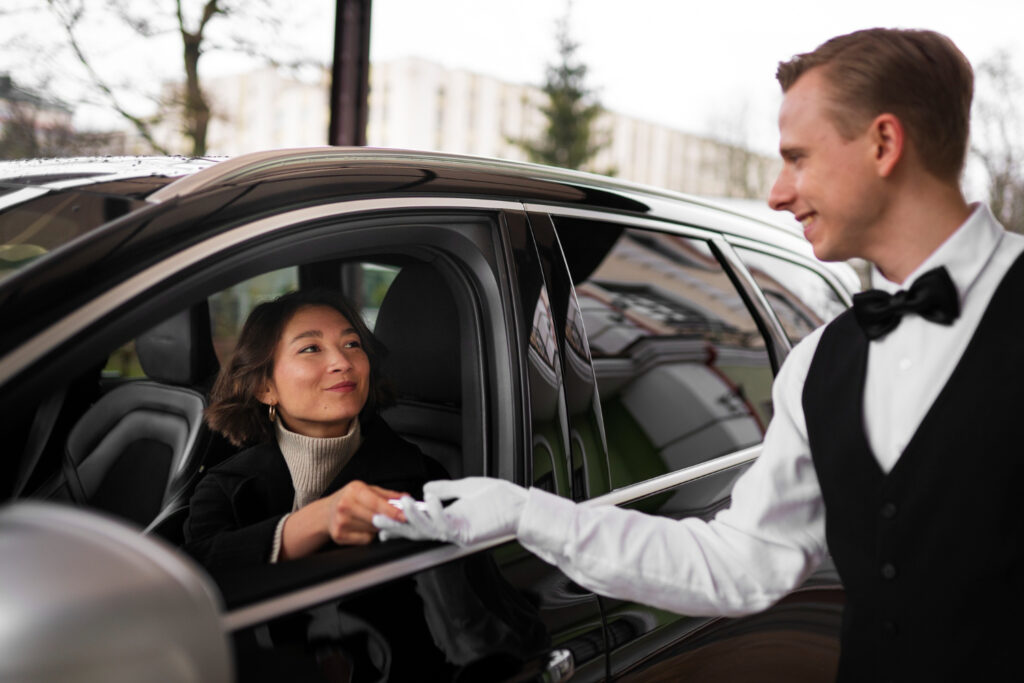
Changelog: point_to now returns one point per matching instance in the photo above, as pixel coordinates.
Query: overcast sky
(701, 66)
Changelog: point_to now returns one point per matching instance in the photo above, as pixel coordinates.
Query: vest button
(888, 570)
(888, 510)
(889, 627)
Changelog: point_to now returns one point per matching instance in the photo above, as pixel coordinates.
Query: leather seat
(419, 324)
(137, 451)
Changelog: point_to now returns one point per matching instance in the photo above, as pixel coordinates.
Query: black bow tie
(932, 296)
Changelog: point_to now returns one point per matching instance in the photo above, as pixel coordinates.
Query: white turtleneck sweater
(313, 463)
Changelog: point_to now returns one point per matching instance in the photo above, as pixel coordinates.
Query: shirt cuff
(545, 524)
(275, 550)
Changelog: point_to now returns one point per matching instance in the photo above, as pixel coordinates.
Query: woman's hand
(343, 517)
(350, 512)
(485, 509)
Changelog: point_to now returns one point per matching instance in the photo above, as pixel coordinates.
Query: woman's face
(321, 375)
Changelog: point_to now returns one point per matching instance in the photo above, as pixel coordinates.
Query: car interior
(138, 450)
(135, 446)
(419, 325)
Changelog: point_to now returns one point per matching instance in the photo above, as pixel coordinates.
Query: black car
(611, 343)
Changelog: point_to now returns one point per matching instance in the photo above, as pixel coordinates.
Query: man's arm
(749, 556)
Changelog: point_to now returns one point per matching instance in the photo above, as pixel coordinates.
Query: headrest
(180, 349)
(419, 325)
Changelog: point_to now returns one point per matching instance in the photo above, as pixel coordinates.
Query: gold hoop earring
(272, 412)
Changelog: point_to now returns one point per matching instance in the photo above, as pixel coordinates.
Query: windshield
(32, 223)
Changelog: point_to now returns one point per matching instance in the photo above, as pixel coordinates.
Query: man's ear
(887, 139)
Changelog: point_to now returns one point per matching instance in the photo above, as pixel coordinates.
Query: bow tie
(932, 296)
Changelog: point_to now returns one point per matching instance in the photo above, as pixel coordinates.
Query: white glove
(486, 509)
(392, 528)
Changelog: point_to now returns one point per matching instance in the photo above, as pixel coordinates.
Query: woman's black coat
(237, 505)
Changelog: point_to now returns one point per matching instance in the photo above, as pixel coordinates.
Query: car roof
(524, 181)
(62, 173)
(187, 176)
(331, 174)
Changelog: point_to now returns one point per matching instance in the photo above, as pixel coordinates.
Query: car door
(400, 610)
(397, 611)
(684, 359)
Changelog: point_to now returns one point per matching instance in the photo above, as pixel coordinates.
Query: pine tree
(569, 140)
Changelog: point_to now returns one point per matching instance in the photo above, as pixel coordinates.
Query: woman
(304, 386)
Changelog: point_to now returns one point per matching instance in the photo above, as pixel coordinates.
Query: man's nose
(781, 196)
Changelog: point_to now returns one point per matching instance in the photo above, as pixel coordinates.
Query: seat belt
(72, 480)
(38, 435)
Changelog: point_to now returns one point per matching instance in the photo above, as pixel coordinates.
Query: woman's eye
(353, 344)
(311, 348)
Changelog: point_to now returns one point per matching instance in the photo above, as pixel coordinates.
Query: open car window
(440, 406)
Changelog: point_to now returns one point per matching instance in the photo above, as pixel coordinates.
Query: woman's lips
(342, 387)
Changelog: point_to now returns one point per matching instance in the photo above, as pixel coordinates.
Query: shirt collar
(964, 253)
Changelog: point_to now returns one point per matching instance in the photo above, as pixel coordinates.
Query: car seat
(419, 324)
(137, 451)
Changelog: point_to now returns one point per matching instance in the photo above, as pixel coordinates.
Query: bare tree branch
(998, 142)
(69, 18)
(94, 33)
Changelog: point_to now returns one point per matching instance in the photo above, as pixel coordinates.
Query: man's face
(830, 184)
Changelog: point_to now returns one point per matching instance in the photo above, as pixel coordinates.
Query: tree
(570, 139)
(31, 127)
(997, 140)
(165, 86)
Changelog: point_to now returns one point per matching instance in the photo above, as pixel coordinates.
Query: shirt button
(888, 571)
(905, 364)
(889, 627)
(888, 510)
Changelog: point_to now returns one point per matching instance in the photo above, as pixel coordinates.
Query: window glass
(549, 466)
(124, 362)
(682, 368)
(31, 229)
(376, 279)
(802, 299)
(230, 307)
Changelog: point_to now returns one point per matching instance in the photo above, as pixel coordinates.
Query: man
(893, 445)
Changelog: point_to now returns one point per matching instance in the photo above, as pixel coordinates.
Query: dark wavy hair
(235, 411)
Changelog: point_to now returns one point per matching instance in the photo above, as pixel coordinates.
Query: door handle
(560, 667)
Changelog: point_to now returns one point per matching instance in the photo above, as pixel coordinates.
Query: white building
(264, 110)
(416, 104)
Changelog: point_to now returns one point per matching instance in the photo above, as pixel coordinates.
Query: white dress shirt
(773, 535)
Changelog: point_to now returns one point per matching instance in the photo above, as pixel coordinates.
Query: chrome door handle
(560, 667)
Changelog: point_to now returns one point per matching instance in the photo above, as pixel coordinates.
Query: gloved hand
(486, 509)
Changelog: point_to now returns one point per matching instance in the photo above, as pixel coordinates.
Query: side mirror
(88, 598)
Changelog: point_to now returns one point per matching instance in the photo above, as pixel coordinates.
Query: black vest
(931, 554)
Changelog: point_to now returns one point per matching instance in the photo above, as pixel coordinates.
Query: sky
(704, 67)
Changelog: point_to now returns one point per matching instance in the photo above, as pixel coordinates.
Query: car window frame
(769, 328)
(258, 612)
(133, 312)
(419, 558)
(841, 296)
